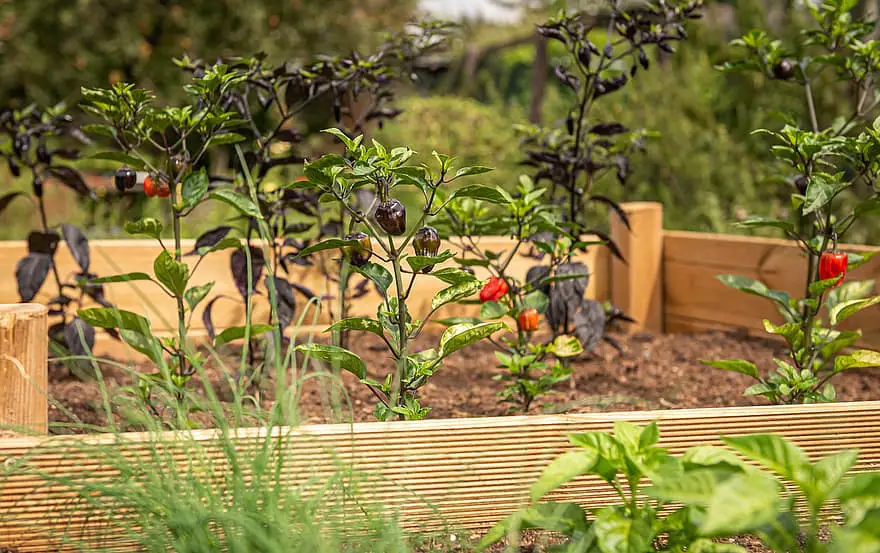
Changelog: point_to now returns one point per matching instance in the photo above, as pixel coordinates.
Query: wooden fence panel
(464, 473)
(695, 300)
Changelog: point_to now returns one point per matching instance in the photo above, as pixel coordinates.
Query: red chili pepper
(528, 319)
(494, 290)
(150, 188)
(832, 264)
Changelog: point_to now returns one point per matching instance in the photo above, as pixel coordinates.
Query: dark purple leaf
(79, 337)
(613, 343)
(210, 238)
(615, 251)
(589, 323)
(286, 302)
(239, 267)
(43, 242)
(608, 129)
(30, 273)
(613, 205)
(207, 317)
(296, 228)
(78, 245)
(536, 277)
(72, 179)
(6, 199)
(307, 293)
(361, 289)
(56, 332)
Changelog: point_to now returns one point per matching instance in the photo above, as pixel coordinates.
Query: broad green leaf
(225, 138)
(128, 277)
(380, 276)
(855, 540)
(451, 321)
(452, 275)
(709, 546)
(537, 300)
(467, 171)
(456, 292)
(239, 201)
(860, 494)
(149, 226)
(853, 290)
(329, 244)
(820, 191)
(479, 192)
(761, 222)
(335, 356)
(350, 144)
(419, 262)
(847, 309)
(130, 160)
(562, 469)
(196, 294)
(357, 323)
(194, 188)
(566, 346)
(109, 317)
(225, 244)
(710, 456)
(171, 273)
(859, 259)
(146, 344)
(859, 359)
(756, 288)
(741, 504)
(462, 335)
(790, 331)
(238, 332)
(826, 475)
(821, 286)
(492, 310)
(565, 518)
(693, 487)
(773, 452)
(735, 365)
(465, 262)
(619, 533)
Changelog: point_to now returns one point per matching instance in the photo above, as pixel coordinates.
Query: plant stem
(181, 309)
(403, 337)
(45, 222)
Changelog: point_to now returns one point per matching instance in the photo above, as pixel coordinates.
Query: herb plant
(832, 174)
(384, 234)
(693, 499)
(32, 145)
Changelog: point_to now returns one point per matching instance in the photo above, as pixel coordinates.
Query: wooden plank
(692, 292)
(24, 378)
(464, 473)
(638, 282)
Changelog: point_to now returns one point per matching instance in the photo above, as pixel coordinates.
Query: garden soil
(652, 372)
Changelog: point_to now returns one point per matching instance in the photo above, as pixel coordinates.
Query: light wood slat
(123, 256)
(464, 473)
(694, 299)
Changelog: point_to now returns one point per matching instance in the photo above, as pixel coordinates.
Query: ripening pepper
(832, 264)
(125, 178)
(494, 290)
(528, 319)
(391, 216)
(361, 253)
(426, 242)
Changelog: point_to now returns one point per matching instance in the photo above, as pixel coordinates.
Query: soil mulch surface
(653, 372)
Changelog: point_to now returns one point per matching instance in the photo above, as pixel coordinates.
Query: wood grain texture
(436, 474)
(695, 300)
(110, 257)
(638, 282)
(24, 380)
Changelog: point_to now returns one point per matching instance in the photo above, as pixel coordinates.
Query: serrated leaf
(462, 335)
(335, 356)
(238, 332)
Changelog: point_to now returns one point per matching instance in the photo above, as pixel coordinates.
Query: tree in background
(50, 48)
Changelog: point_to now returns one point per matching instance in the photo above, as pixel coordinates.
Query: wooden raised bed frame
(438, 474)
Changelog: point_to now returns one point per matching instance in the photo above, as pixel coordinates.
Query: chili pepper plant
(272, 101)
(393, 248)
(826, 162)
(532, 364)
(37, 142)
(169, 143)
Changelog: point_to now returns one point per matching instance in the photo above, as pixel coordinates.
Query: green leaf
(790, 331)
(759, 222)
(238, 332)
(618, 533)
(462, 335)
(735, 365)
(859, 359)
(694, 487)
(566, 346)
(109, 317)
(849, 308)
(456, 292)
(853, 290)
(149, 226)
(130, 160)
(451, 321)
(741, 504)
(566, 518)
(239, 201)
(225, 138)
(128, 277)
(479, 192)
(708, 546)
(821, 286)
(357, 323)
(419, 262)
(856, 260)
(757, 288)
(773, 452)
(467, 171)
(194, 188)
(827, 474)
(335, 356)
(225, 244)
(380, 276)
(562, 469)
(196, 294)
(820, 191)
(171, 273)
(329, 244)
(146, 344)
(537, 300)
(452, 275)
(349, 143)
(492, 310)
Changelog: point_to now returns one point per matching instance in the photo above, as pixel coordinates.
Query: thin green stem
(403, 338)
